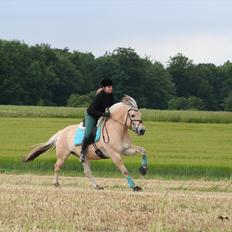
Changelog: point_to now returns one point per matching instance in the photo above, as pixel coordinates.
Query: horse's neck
(117, 121)
(117, 128)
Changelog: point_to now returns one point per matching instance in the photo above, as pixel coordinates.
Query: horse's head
(129, 115)
(134, 121)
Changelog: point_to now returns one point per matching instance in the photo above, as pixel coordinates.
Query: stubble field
(31, 203)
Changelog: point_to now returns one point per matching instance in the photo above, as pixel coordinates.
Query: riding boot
(84, 148)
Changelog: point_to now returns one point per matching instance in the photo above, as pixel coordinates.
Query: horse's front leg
(132, 150)
(88, 173)
(116, 158)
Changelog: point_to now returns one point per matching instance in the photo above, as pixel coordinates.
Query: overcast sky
(200, 29)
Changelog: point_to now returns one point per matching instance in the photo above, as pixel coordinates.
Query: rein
(104, 128)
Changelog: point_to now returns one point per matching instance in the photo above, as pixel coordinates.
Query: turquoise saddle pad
(79, 135)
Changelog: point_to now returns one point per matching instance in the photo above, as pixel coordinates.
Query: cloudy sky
(199, 29)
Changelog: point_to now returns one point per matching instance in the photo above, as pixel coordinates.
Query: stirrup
(82, 157)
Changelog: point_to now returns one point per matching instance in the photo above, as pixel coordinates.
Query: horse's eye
(132, 115)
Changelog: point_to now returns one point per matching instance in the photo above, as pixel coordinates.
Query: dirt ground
(31, 203)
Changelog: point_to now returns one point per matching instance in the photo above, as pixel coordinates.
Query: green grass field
(175, 150)
(148, 115)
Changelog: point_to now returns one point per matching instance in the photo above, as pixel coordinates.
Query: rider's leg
(84, 148)
(90, 123)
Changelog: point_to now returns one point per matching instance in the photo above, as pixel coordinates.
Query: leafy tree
(84, 63)
(14, 58)
(179, 67)
(76, 100)
(226, 81)
(228, 102)
(202, 80)
(159, 87)
(147, 82)
(182, 103)
(206, 85)
(40, 75)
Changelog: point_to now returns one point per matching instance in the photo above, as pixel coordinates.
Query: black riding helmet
(106, 82)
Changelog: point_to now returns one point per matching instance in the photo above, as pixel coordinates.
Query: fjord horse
(114, 142)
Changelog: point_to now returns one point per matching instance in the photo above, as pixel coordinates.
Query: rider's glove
(106, 114)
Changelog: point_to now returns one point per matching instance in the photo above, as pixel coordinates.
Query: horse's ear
(125, 99)
(129, 101)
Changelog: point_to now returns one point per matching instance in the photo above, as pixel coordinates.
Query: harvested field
(31, 203)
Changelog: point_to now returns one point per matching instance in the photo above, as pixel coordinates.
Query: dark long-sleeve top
(101, 101)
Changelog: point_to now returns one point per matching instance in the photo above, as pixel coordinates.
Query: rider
(102, 100)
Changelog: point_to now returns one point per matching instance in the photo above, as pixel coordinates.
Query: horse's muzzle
(141, 131)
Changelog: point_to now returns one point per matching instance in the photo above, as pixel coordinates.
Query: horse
(114, 142)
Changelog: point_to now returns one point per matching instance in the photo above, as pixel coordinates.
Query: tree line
(41, 75)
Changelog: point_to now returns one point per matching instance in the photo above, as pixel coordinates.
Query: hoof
(137, 189)
(99, 187)
(56, 185)
(143, 170)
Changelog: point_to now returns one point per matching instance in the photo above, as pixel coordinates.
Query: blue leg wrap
(144, 160)
(131, 183)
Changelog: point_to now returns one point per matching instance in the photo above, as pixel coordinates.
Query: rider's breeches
(90, 124)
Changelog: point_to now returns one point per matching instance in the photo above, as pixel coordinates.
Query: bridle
(132, 121)
(132, 125)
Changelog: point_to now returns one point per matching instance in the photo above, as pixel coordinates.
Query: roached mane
(129, 101)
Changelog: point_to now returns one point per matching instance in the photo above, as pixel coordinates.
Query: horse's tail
(41, 148)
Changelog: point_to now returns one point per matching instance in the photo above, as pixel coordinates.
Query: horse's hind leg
(57, 166)
(61, 157)
(88, 173)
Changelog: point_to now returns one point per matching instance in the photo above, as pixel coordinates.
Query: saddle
(79, 135)
(95, 137)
